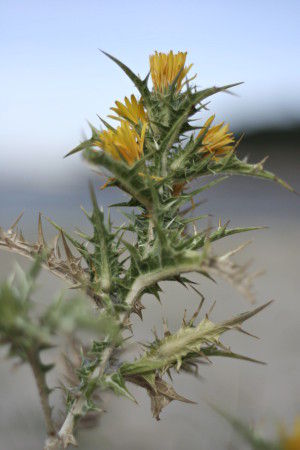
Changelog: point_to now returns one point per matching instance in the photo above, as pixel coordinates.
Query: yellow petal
(164, 68)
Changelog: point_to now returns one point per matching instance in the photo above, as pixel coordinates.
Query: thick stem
(40, 379)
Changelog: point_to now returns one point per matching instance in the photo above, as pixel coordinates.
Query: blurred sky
(53, 78)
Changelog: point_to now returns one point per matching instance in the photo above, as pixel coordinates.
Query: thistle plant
(161, 154)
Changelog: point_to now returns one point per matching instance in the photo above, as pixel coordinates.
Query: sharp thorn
(67, 249)
(41, 238)
(16, 221)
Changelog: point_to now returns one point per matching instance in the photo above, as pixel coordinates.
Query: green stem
(40, 379)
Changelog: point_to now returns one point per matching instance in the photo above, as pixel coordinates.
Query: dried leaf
(160, 392)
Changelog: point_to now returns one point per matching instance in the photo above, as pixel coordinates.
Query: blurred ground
(260, 394)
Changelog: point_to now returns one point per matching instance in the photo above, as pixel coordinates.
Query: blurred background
(53, 79)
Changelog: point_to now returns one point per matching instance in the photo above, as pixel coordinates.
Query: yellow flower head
(131, 110)
(292, 442)
(217, 140)
(165, 66)
(123, 142)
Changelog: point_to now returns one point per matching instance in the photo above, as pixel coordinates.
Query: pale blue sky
(53, 77)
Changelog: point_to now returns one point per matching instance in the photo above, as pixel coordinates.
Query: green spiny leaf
(141, 85)
(116, 382)
(127, 176)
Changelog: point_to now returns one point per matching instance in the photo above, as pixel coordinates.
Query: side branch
(204, 263)
(68, 269)
(148, 279)
(14, 242)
